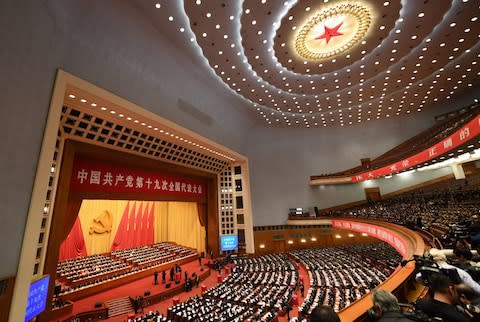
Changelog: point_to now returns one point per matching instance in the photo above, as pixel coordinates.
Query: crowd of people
(341, 275)
(256, 290)
(83, 272)
(83, 268)
(153, 255)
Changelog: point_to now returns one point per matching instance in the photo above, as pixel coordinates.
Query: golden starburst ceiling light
(332, 31)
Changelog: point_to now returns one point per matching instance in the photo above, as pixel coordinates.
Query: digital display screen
(37, 298)
(228, 243)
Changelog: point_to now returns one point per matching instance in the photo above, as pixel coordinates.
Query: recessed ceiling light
(182, 29)
(158, 5)
(170, 18)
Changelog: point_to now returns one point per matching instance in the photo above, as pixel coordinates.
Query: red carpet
(136, 288)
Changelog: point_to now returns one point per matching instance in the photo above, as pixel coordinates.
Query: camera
(426, 266)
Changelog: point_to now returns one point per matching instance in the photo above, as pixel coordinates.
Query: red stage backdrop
(463, 135)
(97, 176)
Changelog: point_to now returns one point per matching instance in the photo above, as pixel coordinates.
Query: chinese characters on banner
(461, 136)
(387, 236)
(103, 177)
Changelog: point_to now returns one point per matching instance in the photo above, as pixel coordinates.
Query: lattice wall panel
(103, 132)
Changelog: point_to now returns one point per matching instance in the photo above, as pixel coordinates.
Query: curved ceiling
(320, 63)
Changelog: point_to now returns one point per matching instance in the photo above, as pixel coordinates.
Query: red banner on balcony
(104, 177)
(468, 132)
(388, 236)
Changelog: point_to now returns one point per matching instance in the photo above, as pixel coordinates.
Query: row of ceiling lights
(260, 107)
(154, 128)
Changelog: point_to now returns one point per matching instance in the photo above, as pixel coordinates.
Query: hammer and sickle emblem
(102, 223)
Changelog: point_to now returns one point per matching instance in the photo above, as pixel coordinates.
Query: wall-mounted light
(261, 246)
(290, 242)
(303, 240)
(338, 236)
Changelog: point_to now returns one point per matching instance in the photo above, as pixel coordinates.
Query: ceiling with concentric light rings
(332, 63)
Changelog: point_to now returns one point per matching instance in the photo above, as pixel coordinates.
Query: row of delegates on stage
(143, 256)
(256, 290)
(179, 250)
(155, 254)
(83, 272)
(82, 268)
(339, 276)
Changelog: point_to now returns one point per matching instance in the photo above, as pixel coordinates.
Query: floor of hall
(137, 288)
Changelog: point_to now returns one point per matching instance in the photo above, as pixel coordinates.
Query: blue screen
(228, 243)
(37, 298)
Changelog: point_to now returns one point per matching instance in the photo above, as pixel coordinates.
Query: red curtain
(130, 232)
(138, 227)
(150, 232)
(121, 238)
(74, 245)
(144, 231)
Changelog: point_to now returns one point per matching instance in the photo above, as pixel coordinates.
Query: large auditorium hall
(246, 160)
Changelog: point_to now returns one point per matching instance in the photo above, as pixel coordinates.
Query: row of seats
(83, 272)
(154, 254)
(257, 289)
(88, 267)
(420, 209)
(341, 275)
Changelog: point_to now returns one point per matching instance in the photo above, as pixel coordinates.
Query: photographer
(441, 261)
(469, 301)
(386, 308)
(443, 301)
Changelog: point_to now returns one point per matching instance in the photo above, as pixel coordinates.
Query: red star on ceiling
(330, 32)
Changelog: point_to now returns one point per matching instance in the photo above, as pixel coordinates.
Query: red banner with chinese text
(103, 177)
(390, 237)
(461, 136)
